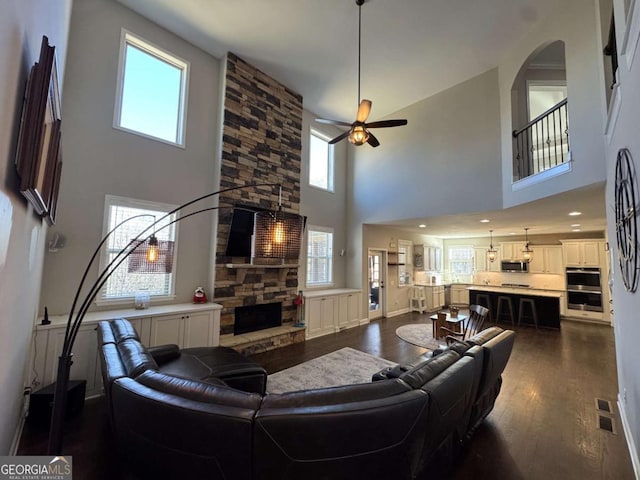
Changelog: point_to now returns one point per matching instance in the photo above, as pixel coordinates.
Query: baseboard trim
(395, 313)
(633, 451)
(16, 437)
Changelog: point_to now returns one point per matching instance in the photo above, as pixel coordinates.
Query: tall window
(461, 261)
(320, 162)
(319, 256)
(134, 273)
(151, 96)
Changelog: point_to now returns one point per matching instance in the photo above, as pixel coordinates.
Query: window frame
(127, 37)
(468, 261)
(330, 257)
(330, 161)
(115, 200)
(405, 269)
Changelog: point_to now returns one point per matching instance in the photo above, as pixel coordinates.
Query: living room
(101, 160)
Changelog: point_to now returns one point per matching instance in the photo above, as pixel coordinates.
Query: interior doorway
(377, 274)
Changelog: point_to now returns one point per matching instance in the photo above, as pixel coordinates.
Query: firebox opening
(251, 318)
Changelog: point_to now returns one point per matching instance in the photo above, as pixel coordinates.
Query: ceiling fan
(359, 132)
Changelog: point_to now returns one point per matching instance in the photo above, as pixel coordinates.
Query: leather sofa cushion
(135, 357)
(496, 355)
(105, 333)
(425, 371)
(111, 364)
(214, 391)
(484, 336)
(459, 347)
(123, 330)
(164, 353)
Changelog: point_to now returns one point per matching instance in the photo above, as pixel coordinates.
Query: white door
(377, 277)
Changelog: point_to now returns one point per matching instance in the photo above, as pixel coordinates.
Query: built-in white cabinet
(582, 253)
(459, 295)
(546, 259)
(511, 250)
(481, 261)
(427, 257)
(329, 311)
(186, 325)
(435, 296)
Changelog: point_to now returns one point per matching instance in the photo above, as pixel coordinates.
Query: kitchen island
(547, 303)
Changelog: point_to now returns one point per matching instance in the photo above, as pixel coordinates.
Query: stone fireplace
(252, 318)
(261, 144)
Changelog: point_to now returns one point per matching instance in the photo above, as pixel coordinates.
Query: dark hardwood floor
(543, 426)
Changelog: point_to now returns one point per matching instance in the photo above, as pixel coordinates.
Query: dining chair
(472, 325)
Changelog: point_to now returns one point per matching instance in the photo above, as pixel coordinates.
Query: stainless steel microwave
(510, 266)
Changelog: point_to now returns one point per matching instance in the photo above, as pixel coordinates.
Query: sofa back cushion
(417, 376)
(105, 333)
(497, 351)
(213, 391)
(372, 430)
(123, 330)
(484, 336)
(135, 357)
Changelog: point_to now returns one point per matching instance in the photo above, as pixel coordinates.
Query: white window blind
(319, 256)
(461, 260)
(128, 277)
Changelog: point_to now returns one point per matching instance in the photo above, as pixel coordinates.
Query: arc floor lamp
(277, 235)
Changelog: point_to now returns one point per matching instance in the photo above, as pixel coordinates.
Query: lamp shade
(277, 235)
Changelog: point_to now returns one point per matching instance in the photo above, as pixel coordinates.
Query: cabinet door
(591, 254)
(348, 308)
(538, 262)
(572, 256)
(480, 259)
(198, 329)
(167, 329)
(554, 260)
(329, 305)
(84, 356)
(314, 317)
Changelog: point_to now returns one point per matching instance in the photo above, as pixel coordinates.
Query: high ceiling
(411, 49)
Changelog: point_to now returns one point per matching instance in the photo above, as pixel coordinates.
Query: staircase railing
(543, 143)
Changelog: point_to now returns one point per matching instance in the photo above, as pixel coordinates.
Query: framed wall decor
(40, 132)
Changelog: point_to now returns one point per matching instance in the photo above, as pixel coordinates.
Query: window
(151, 96)
(319, 256)
(460, 261)
(404, 262)
(320, 162)
(135, 274)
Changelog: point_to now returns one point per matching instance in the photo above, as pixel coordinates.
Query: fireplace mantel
(241, 269)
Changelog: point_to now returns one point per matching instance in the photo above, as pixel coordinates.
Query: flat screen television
(239, 241)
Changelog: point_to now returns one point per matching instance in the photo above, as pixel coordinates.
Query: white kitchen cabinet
(481, 261)
(329, 311)
(546, 259)
(435, 296)
(511, 250)
(186, 325)
(459, 295)
(427, 257)
(582, 253)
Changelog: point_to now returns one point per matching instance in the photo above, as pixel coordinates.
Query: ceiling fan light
(358, 136)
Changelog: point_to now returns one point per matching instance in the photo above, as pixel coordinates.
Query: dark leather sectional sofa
(203, 413)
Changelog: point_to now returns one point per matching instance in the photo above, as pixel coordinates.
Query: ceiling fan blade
(332, 122)
(386, 123)
(373, 141)
(363, 110)
(342, 136)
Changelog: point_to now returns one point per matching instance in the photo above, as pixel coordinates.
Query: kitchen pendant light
(492, 253)
(527, 253)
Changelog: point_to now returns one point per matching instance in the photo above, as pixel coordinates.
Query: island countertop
(524, 291)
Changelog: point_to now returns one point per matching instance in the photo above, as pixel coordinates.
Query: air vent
(606, 423)
(603, 405)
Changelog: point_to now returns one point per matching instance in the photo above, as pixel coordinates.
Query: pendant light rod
(359, 3)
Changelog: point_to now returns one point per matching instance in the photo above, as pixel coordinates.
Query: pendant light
(527, 253)
(492, 253)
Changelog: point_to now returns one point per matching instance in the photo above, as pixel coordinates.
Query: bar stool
(417, 300)
(532, 306)
(483, 300)
(505, 302)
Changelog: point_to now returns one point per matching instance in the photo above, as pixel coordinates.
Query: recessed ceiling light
(512, 233)
(575, 225)
(574, 214)
(422, 225)
(485, 220)
(576, 230)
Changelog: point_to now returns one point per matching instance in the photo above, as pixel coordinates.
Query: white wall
(575, 22)
(22, 233)
(626, 305)
(323, 208)
(100, 160)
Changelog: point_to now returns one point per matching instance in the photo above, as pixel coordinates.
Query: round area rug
(420, 334)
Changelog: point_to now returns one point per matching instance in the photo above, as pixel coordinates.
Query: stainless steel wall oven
(584, 291)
